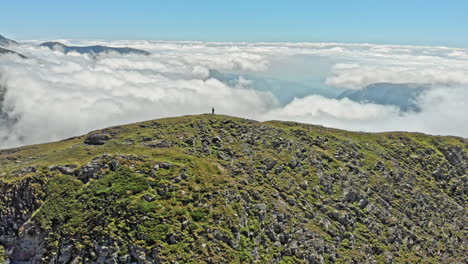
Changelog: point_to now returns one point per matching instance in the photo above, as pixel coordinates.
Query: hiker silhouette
(212, 110)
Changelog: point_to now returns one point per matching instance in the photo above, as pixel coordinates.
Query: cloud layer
(51, 95)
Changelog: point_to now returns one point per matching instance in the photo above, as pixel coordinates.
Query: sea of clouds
(52, 96)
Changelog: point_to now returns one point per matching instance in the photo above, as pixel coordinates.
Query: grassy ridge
(219, 189)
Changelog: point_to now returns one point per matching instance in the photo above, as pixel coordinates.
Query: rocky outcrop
(18, 201)
(96, 139)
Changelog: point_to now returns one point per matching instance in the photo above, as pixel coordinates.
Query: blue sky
(415, 22)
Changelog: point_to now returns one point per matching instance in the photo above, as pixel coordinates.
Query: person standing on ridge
(212, 110)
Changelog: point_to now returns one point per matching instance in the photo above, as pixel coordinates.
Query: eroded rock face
(18, 201)
(29, 247)
(240, 192)
(92, 170)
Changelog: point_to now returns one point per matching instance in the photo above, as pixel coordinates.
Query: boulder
(64, 169)
(114, 165)
(350, 195)
(165, 165)
(97, 139)
(148, 198)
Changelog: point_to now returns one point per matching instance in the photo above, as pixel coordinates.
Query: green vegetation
(218, 189)
(2, 252)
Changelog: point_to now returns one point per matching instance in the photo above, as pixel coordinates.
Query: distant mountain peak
(6, 42)
(52, 44)
(402, 95)
(97, 49)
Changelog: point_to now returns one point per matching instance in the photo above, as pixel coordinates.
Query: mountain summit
(219, 189)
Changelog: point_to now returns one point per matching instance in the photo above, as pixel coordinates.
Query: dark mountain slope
(92, 49)
(6, 42)
(6, 51)
(402, 95)
(218, 189)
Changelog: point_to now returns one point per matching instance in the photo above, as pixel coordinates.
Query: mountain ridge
(96, 49)
(7, 51)
(402, 95)
(7, 42)
(219, 189)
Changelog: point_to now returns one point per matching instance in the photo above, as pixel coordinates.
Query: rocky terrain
(218, 189)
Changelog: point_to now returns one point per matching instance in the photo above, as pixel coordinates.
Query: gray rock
(66, 169)
(219, 236)
(148, 198)
(165, 165)
(438, 175)
(280, 217)
(279, 169)
(177, 179)
(363, 203)
(65, 253)
(216, 140)
(142, 236)
(291, 201)
(91, 170)
(255, 195)
(25, 171)
(454, 155)
(294, 163)
(223, 156)
(260, 210)
(304, 184)
(270, 234)
(146, 139)
(124, 258)
(349, 195)
(97, 139)
(189, 141)
(270, 164)
(172, 239)
(158, 144)
(183, 174)
(114, 165)
(284, 238)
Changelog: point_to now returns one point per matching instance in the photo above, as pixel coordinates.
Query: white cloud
(56, 96)
(354, 76)
(443, 113)
(51, 95)
(314, 108)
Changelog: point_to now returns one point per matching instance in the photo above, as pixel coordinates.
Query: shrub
(198, 214)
